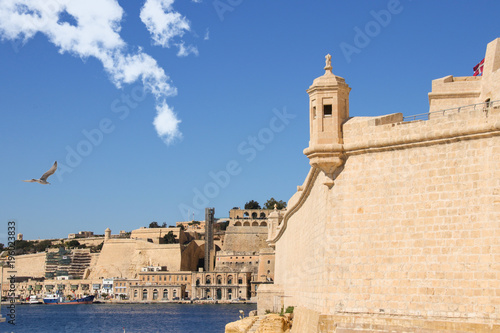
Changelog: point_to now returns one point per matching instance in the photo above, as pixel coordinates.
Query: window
(269, 262)
(314, 112)
(148, 277)
(144, 294)
(135, 293)
(155, 294)
(229, 280)
(165, 293)
(174, 293)
(240, 281)
(327, 110)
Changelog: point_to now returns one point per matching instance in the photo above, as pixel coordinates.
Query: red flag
(478, 69)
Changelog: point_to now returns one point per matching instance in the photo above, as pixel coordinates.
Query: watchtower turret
(328, 109)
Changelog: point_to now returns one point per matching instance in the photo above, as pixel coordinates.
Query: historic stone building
(245, 248)
(396, 228)
(160, 285)
(221, 286)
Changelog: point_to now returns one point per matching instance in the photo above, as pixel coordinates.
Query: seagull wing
(50, 172)
(29, 181)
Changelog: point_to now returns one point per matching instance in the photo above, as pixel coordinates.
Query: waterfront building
(220, 285)
(160, 285)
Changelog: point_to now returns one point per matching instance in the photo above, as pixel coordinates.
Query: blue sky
(240, 70)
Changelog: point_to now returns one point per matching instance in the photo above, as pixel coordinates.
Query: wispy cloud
(91, 29)
(165, 24)
(207, 35)
(184, 51)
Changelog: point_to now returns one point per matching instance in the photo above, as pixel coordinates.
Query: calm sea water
(129, 318)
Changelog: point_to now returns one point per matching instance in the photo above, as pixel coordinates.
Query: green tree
(73, 243)
(169, 238)
(270, 204)
(154, 224)
(41, 246)
(252, 204)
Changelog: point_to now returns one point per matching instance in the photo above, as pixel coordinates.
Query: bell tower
(328, 109)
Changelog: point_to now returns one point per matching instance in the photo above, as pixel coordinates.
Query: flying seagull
(43, 179)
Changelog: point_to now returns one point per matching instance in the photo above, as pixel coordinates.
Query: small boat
(33, 300)
(58, 299)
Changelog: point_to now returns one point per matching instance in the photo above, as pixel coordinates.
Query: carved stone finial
(275, 206)
(328, 66)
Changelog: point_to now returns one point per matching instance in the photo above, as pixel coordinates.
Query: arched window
(165, 293)
(145, 294)
(197, 282)
(207, 279)
(262, 215)
(255, 224)
(237, 224)
(135, 293)
(219, 279)
(246, 224)
(246, 215)
(254, 215)
(263, 224)
(155, 294)
(230, 280)
(174, 293)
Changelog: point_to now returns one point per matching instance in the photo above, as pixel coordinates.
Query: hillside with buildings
(223, 260)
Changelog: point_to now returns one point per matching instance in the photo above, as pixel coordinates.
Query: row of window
(155, 294)
(208, 280)
(179, 278)
(247, 224)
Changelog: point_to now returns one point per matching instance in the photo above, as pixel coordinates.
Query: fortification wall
(245, 239)
(124, 258)
(32, 265)
(410, 227)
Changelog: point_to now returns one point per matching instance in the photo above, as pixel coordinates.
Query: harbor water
(119, 318)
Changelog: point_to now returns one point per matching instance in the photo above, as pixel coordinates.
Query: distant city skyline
(224, 117)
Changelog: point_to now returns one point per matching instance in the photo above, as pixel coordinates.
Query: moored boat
(58, 299)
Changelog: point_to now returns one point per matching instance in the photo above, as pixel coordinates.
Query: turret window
(327, 110)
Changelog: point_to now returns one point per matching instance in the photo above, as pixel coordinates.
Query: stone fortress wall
(403, 233)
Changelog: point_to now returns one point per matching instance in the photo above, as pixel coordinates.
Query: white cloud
(184, 51)
(165, 24)
(96, 34)
(167, 124)
(207, 35)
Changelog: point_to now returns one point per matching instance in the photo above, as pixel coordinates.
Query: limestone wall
(245, 239)
(32, 265)
(124, 258)
(411, 226)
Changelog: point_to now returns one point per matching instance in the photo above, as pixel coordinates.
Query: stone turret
(328, 109)
(107, 234)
